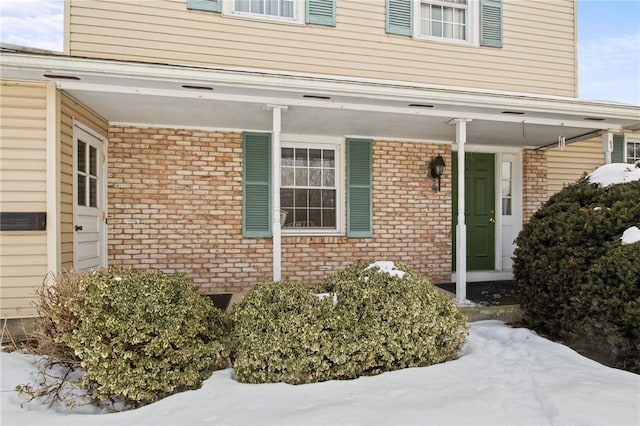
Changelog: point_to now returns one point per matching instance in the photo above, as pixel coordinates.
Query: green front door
(479, 209)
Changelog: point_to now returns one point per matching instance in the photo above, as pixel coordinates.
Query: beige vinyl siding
(23, 187)
(567, 165)
(71, 110)
(538, 54)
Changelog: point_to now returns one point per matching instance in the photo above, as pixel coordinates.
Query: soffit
(164, 95)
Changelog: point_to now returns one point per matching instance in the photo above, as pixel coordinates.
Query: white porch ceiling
(155, 94)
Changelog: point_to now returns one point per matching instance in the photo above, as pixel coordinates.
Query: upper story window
(284, 9)
(319, 12)
(447, 19)
(475, 22)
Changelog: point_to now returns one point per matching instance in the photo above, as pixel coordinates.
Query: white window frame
(628, 139)
(338, 146)
(472, 23)
(228, 8)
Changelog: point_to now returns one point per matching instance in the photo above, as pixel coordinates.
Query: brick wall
(534, 183)
(175, 204)
(411, 221)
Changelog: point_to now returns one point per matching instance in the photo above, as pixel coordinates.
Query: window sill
(264, 18)
(446, 41)
(311, 233)
(296, 239)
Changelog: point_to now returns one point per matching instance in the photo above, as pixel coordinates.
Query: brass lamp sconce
(436, 168)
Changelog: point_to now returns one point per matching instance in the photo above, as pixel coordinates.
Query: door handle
(78, 227)
(492, 219)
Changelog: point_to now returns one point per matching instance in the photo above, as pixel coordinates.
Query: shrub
(381, 322)
(566, 267)
(609, 304)
(278, 335)
(56, 304)
(397, 321)
(139, 335)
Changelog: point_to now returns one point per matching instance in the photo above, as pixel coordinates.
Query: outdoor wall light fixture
(436, 167)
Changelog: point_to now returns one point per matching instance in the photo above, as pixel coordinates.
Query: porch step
(511, 314)
(491, 300)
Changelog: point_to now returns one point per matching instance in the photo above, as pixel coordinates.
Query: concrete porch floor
(490, 300)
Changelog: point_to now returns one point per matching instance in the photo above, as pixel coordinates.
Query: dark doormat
(487, 293)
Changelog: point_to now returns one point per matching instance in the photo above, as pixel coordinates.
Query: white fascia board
(327, 104)
(332, 86)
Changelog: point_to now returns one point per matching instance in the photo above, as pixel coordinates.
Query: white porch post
(275, 193)
(52, 172)
(461, 227)
(607, 146)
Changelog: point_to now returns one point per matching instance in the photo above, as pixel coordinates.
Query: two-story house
(243, 141)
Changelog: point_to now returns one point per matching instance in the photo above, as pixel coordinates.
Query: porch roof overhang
(206, 97)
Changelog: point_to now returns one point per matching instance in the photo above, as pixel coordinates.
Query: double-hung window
(474, 22)
(446, 19)
(310, 174)
(325, 186)
(277, 8)
(319, 12)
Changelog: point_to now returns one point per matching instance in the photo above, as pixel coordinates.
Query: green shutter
(208, 5)
(256, 185)
(617, 156)
(321, 12)
(491, 23)
(359, 188)
(399, 15)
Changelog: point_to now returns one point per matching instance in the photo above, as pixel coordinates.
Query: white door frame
(515, 156)
(92, 221)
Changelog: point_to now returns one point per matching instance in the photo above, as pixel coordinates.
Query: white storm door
(89, 212)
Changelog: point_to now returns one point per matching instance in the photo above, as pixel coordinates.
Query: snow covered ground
(504, 376)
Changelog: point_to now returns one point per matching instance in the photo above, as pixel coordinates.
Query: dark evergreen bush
(560, 252)
(283, 332)
(138, 335)
(609, 306)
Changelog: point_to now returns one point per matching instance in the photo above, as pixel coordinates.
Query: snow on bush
(613, 174)
(631, 235)
(386, 318)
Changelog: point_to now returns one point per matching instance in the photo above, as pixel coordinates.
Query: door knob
(78, 227)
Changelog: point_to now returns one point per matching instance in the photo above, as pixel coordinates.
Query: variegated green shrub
(142, 335)
(283, 332)
(279, 334)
